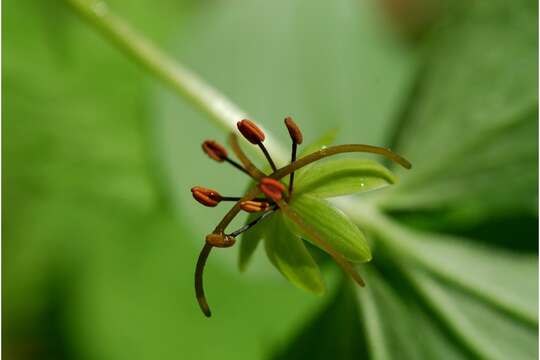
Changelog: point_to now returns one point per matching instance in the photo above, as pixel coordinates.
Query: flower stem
(182, 80)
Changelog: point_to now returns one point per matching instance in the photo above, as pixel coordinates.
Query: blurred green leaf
(374, 322)
(289, 255)
(342, 177)
(507, 280)
(334, 332)
(332, 225)
(475, 112)
(390, 314)
(449, 321)
(487, 332)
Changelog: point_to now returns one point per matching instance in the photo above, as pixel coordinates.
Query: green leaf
(332, 225)
(475, 147)
(454, 259)
(505, 158)
(318, 338)
(251, 239)
(289, 255)
(505, 279)
(487, 332)
(390, 314)
(374, 322)
(343, 176)
(449, 322)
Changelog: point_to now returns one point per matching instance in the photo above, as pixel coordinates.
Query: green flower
(293, 209)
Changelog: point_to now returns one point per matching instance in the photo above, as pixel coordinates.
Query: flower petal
(289, 255)
(343, 176)
(336, 228)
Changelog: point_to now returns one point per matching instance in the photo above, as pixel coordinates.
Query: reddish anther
(294, 130)
(254, 206)
(207, 197)
(272, 188)
(250, 131)
(214, 150)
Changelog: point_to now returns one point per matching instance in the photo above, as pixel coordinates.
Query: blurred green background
(100, 234)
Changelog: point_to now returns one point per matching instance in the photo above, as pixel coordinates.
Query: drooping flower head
(286, 212)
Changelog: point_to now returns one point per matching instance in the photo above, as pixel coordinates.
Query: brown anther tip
(220, 240)
(272, 188)
(207, 197)
(254, 206)
(294, 130)
(250, 131)
(214, 150)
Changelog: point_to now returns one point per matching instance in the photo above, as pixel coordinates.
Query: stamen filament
(267, 155)
(293, 159)
(236, 165)
(220, 228)
(251, 224)
(252, 170)
(297, 138)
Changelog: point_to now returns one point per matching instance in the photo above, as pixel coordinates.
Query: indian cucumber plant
(454, 273)
(285, 213)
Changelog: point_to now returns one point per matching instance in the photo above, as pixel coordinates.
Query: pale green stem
(185, 82)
